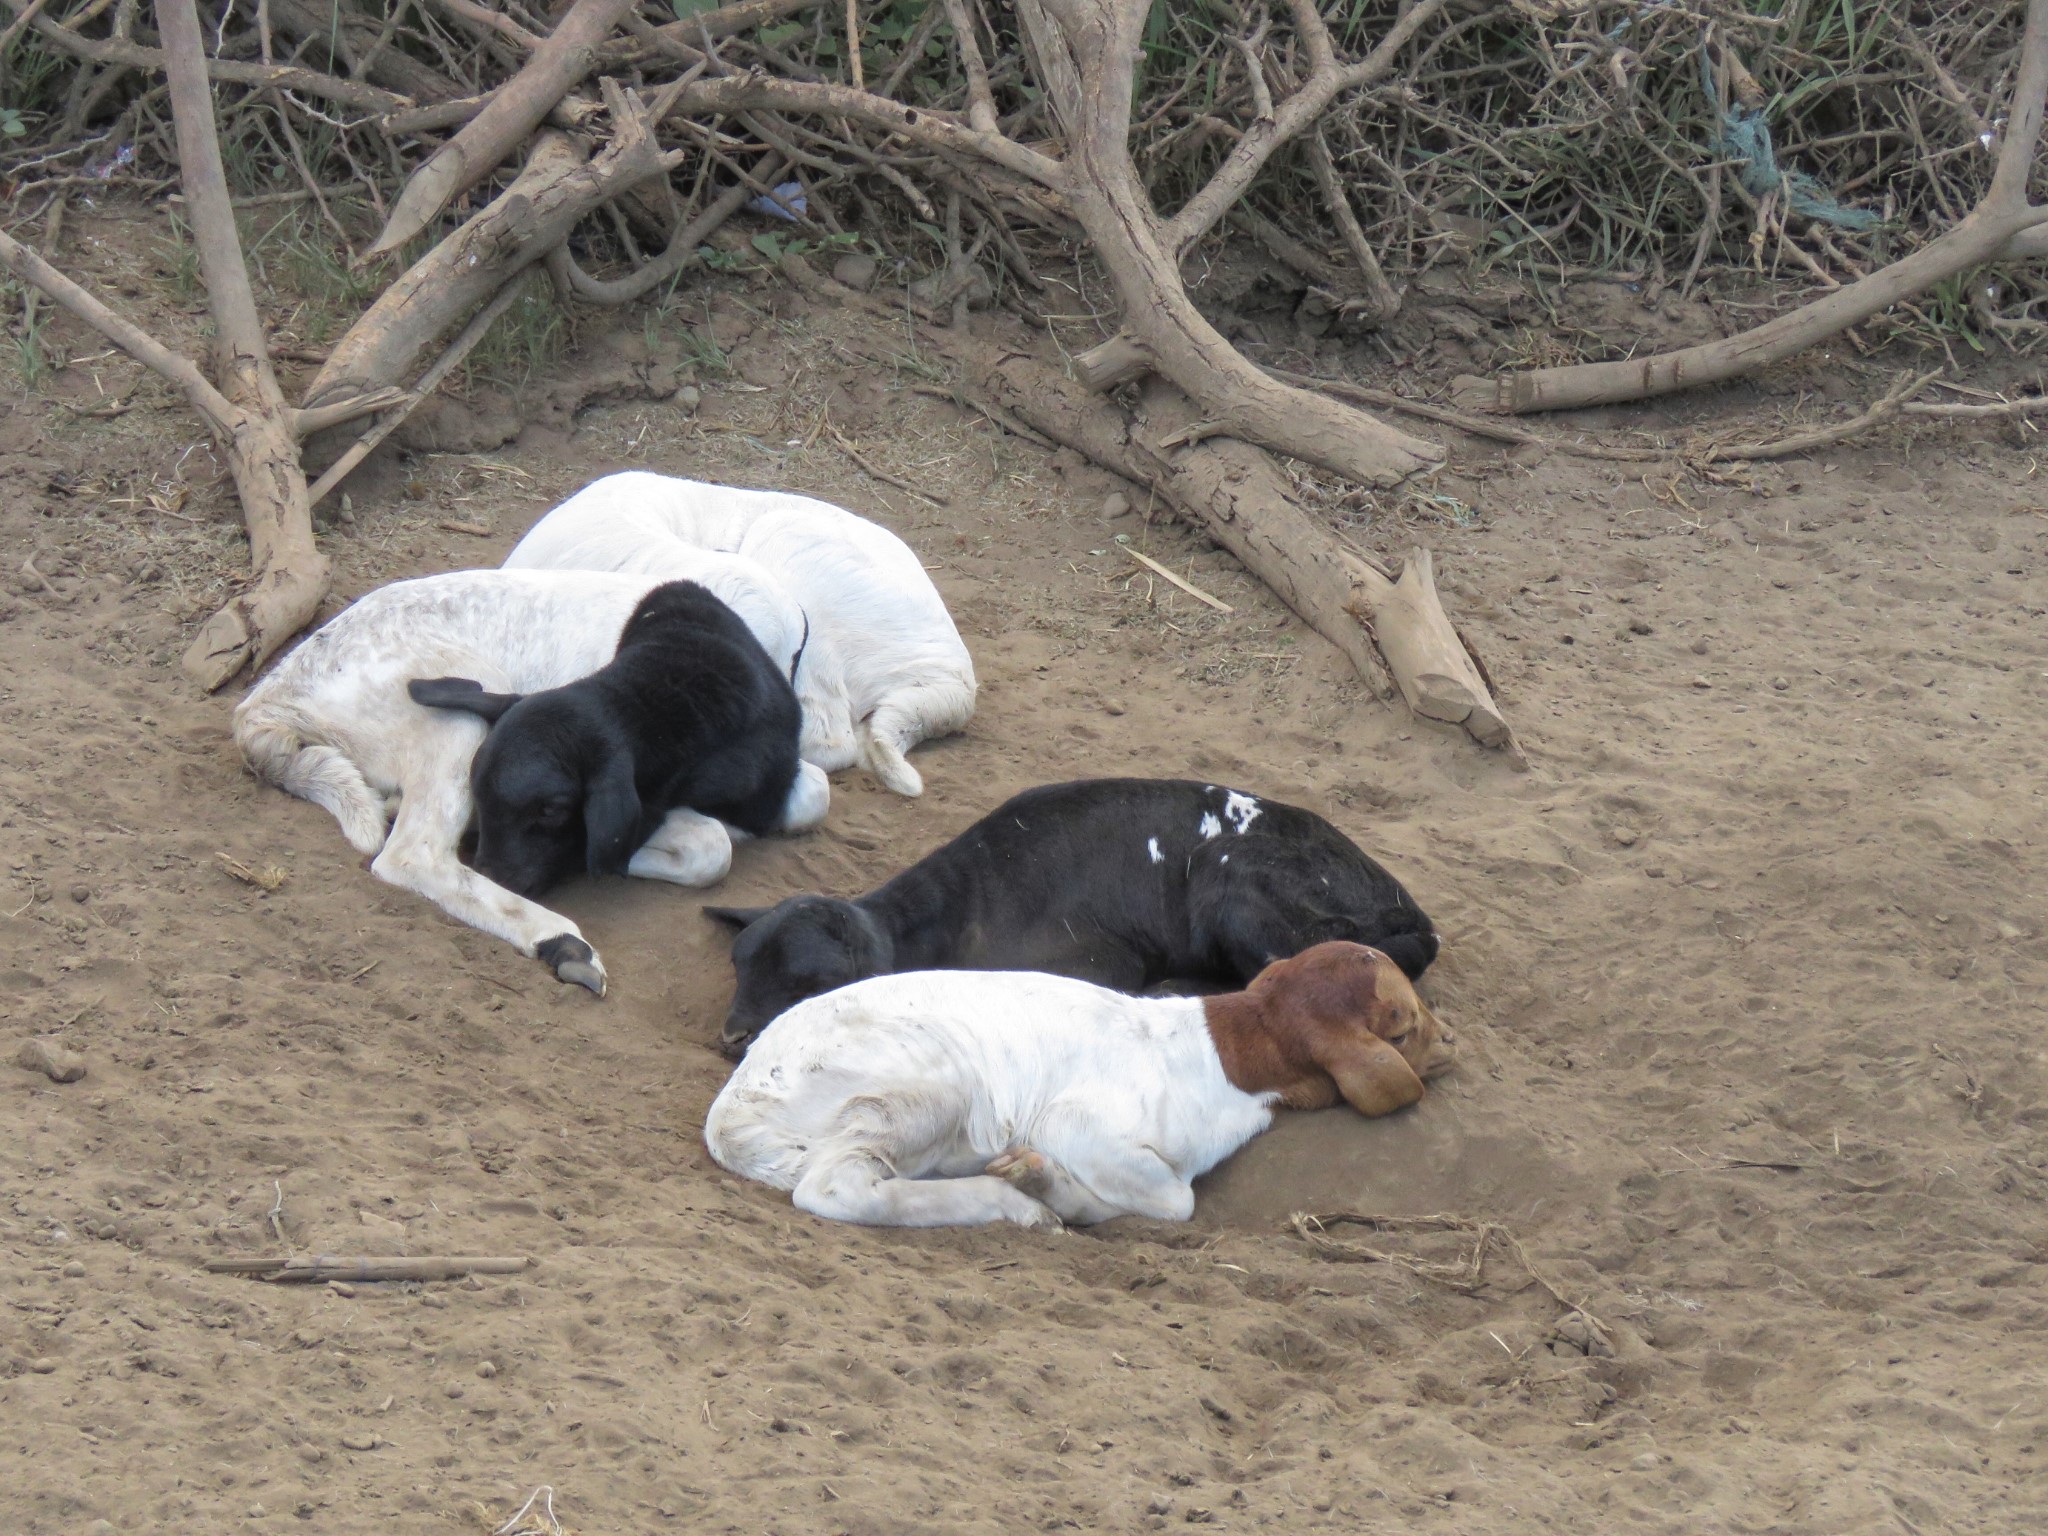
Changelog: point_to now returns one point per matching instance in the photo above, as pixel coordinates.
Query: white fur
(884, 667)
(885, 1101)
(333, 724)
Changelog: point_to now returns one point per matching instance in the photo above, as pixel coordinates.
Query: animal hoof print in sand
(573, 961)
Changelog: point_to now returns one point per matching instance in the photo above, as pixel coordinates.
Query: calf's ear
(1374, 1078)
(461, 693)
(611, 816)
(739, 917)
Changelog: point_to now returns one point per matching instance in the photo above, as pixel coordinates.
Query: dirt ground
(1747, 969)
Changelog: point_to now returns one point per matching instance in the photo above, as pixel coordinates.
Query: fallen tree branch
(861, 461)
(514, 110)
(529, 219)
(285, 1268)
(726, 21)
(1996, 224)
(2026, 405)
(342, 412)
(1210, 598)
(1882, 411)
(1383, 301)
(353, 38)
(1087, 53)
(1436, 673)
(680, 256)
(479, 326)
(943, 131)
(1479, 426)
(1230, 490)
(28, 265)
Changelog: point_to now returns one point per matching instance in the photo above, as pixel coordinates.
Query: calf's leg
(1119, 1181)
(809, 798)
(861, 1187)
(419, 856)
(686, 849)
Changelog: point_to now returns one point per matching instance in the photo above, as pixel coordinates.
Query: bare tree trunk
(290, 573)
(1087, 53)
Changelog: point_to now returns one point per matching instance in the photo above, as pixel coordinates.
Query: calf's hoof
(1027, 1171)
(574, 961)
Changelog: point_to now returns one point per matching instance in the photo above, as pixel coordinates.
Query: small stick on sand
(475, 530)
(321, 1267)
(853, 453)
(1185, 585)
(267, 879)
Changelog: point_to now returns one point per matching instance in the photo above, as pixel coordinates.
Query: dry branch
(1208, 598)
(26, 264)
(284, 1268)
(1110, 363)
(1235, 493)
(1087, 53)
(353, 38)
(246, 410)
(410, 401)
(514, 110)
(290, 573)
(1882, 411)
(528, 220)
(118, 51)
(1426, 655)
(680, 256)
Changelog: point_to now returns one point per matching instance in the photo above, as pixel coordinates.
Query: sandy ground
(1748, 970)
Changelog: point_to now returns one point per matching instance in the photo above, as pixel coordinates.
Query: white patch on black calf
(1241, 811)
(1152, 847)
(1209, 826)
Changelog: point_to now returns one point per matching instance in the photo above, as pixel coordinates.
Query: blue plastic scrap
(787, 203)
(1746, 138)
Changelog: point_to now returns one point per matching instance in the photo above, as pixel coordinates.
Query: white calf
(884, 667)
(943, 1098)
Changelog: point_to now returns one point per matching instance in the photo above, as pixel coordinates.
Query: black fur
(689, 712)
(1062, 879)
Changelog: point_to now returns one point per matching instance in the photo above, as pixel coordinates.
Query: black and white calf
(1127, 883)
(678, 719)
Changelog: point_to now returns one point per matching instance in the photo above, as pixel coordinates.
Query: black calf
(690, 712)
(1123, 882)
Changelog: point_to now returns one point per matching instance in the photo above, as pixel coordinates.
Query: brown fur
(1336, 1020)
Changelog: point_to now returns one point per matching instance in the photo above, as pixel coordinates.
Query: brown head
(1336, 1020)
